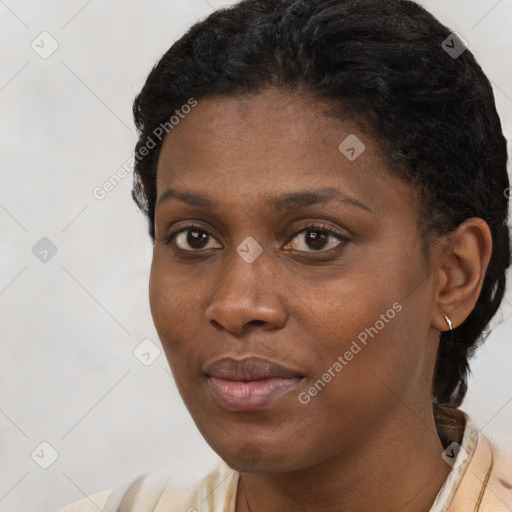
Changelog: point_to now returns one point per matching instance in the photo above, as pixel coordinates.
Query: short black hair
(383, 62)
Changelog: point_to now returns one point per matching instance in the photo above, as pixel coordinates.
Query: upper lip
(250, 368)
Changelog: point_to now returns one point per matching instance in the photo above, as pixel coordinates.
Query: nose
(247, 294)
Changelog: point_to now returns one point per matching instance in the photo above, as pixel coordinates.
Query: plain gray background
(69, 325)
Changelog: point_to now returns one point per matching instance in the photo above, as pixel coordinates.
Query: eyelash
(168, 240)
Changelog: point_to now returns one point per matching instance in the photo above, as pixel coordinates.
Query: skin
(367, 440)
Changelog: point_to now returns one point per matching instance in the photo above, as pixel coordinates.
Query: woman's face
(347, 314)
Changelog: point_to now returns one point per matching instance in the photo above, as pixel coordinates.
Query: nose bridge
(244, 292)
(243, 273)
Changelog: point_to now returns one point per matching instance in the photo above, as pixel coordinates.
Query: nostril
(256, 322)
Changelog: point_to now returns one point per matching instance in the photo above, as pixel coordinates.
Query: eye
(314, 237)
(317, 238)
(195, 237)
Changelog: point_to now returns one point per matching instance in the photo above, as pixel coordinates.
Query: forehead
(270, 141)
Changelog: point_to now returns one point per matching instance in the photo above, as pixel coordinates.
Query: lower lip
(250, 395)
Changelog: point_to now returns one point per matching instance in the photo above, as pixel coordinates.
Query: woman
(325, 183)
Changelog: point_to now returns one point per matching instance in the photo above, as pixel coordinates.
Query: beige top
(480, 481)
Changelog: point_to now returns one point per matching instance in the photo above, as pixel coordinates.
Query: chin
(250, 457)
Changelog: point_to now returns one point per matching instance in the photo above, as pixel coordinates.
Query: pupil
(195, 238)
(317, 240)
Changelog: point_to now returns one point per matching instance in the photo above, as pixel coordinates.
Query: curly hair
(383, 63)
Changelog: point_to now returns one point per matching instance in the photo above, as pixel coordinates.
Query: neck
(398, 467)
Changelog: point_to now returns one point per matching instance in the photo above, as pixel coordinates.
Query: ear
(460, 272)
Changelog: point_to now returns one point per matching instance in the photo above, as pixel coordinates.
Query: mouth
(250, 384)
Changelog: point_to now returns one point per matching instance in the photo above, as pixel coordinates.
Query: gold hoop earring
(449, 322)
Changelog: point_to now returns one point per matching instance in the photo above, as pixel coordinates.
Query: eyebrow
(301, 198)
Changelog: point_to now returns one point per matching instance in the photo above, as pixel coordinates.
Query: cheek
(357, 333)
(175, 305)
(169, 305)
(161, 299)
(367, 342)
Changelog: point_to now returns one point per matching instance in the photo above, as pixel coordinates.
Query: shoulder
(497, 493)
(215, 492)
(157, 493)
(487, 482)
(88, 504)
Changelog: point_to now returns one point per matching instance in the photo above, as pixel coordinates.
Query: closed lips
(248, 369)
(250, 384)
